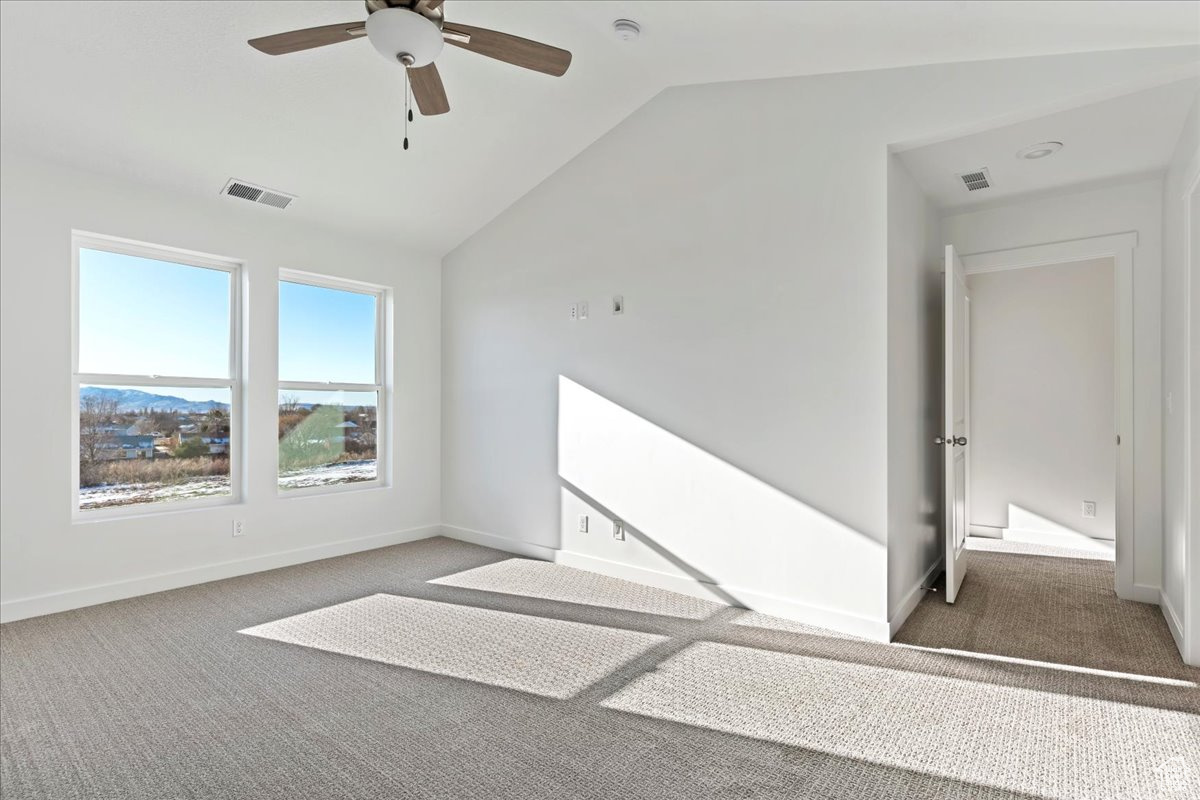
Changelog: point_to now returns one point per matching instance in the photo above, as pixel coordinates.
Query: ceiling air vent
(979, 179)
(257, 194)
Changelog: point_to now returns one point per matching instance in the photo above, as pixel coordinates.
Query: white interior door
(956, 421)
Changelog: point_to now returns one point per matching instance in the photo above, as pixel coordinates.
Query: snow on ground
(343, 472)
(129, 494)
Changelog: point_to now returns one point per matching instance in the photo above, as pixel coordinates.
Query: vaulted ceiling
(169, 92)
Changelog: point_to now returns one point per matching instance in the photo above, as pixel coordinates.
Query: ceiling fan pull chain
(408, 115)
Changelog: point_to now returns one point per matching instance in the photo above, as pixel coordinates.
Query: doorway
(1050, 454)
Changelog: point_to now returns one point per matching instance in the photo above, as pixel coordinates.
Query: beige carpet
(443, 670)
(1056, 609)
(549, 657)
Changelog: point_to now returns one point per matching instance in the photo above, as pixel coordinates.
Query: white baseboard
(1142, 593)
(22, 608)
(910, 601)
(1060, 539)
(852, 624)
(497, 542)
(1173, 621)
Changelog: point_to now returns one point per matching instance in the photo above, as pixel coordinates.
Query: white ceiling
(1128, 135)
(169, 92)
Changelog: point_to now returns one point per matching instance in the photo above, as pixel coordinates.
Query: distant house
(218, 441)
(217, 445)
(118, 446)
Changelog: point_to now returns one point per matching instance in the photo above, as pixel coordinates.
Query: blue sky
(139, 316)
(325, 334)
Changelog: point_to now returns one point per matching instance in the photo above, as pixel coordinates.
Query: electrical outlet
(618, 530)
(238, 530)
(1089, 509)
(574, 311)
(583, 523)
(583, 309)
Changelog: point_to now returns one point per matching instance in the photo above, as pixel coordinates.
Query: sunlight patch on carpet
(546, 581)
(986, 734)
(548, 657)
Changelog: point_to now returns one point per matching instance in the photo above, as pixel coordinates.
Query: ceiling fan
(412, 32)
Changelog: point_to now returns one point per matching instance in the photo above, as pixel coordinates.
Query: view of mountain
(132, 400)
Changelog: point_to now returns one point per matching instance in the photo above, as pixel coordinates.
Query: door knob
(951, 440)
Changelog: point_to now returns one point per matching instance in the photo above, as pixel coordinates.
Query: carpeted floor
(438, 669)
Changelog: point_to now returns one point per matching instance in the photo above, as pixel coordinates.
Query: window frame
(381, 388)
(81, 240)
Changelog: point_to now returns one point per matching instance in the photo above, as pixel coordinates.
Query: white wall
(1181, 282)
(746, 226)
(1043, 398)
(1135, 206)
(46, 562)
(915, 262)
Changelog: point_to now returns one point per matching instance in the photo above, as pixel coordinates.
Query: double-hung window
(332, 420)
(156, 376)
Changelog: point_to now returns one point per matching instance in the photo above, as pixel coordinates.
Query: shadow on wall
(1028, 526)
(691, 515)
(711, 585)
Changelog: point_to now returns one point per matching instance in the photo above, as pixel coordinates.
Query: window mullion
(319, 386)
(112, 379)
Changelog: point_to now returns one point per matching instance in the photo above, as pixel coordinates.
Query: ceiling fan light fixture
(404, 36)
(1039, 150)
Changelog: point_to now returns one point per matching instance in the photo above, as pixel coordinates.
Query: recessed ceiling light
(1039, 150)
(626, 29)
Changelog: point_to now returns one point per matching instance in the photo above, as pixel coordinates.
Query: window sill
(88, 516)
(341, 488)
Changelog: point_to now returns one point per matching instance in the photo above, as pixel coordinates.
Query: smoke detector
(1039, 150)
(627, 30)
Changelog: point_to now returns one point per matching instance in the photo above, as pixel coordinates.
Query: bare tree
(164, 422)
(289, 404)
(214, 421)
(95, 416)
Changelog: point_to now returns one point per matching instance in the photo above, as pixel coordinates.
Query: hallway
(1047, 604)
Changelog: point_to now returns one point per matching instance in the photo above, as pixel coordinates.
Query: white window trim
(382, 387)
(112, 244)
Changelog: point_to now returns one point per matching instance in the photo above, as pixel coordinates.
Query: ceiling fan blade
(428, 90)
(512, 49)
(306, 39)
